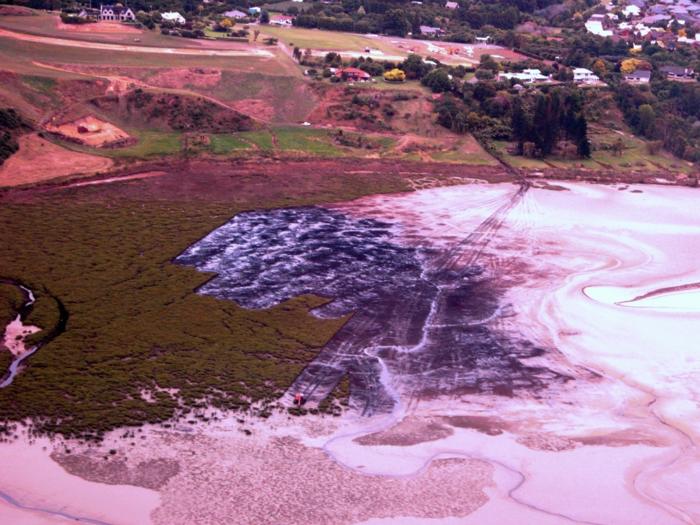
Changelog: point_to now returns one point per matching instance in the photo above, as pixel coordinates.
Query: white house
(116, 12)
(236, 14)
(686, 40)
(642, 29)
(631, 10)
(173, 16)
(282, 21)
(585, 76)
(596, 27)
(451, 5)
(255, 11)
(529, 76)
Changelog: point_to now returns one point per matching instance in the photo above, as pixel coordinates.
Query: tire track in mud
(462, 254)
(330, 365)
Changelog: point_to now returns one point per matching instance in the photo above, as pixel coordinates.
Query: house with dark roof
(431, 31)
(677, 72)
(638, 77)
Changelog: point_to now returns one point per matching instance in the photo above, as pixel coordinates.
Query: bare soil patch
(39, 160)
(375, 110)
(258, 108)
(98, 27)
(183, 77)
(90, 131)
(15, 10)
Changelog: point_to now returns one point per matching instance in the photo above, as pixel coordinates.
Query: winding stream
(15, 332)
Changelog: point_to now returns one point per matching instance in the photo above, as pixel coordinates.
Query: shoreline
(443, 171)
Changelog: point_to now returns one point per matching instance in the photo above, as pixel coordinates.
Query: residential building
(631, 10)
(254, 11)
(596, 25)
(116, 13)
(529, 76)
(282, 21)
(585, 76)
(451, 5)
(89, 13)
(173, 16)
(236, 14)
(638, 77)
(352, 73)
(431, 31)
(678, 72)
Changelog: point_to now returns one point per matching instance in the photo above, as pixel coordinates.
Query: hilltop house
(678, 72)
(638, 77)
(585, 76)
(173, 16)
(116, 13)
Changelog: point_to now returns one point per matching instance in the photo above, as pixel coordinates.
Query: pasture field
(224, 144)
(326, 40)
(23, 56)
(306, 141)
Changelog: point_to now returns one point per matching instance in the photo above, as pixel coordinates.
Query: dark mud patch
(483, 424)
(410, 431)
(150, 474)
(419, 316)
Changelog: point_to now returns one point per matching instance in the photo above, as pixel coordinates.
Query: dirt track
(39, 160)
(243, 52)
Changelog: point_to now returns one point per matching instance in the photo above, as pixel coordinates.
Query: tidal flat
(528, 356)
